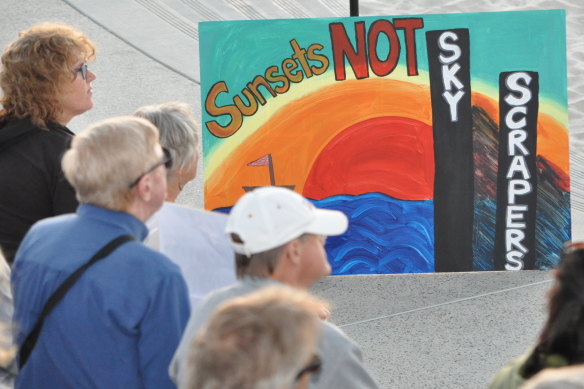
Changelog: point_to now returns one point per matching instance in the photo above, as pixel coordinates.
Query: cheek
(191, 173)
(315, 263)
(70, 88)
(71, 95)
(327, 265)
(320, 260)
(78, 87)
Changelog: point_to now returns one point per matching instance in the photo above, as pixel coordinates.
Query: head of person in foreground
(278, 234)
(264, 340)
(118, 164)
(179, 134)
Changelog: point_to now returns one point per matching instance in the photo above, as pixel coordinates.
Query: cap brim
(328, 222)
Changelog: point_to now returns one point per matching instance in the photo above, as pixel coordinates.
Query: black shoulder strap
(31, 339)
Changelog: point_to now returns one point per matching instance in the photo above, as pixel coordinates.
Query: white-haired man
(279, 238)
(119, 322)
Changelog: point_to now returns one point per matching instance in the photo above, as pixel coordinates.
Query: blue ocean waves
(385, 235)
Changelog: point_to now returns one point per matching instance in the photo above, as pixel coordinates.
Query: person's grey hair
(106, 157)
(178, 131)
(258, 341)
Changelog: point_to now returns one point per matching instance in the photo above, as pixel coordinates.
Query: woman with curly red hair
(45, 83)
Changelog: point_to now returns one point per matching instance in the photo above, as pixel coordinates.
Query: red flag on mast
(266, 160)
(263, 161)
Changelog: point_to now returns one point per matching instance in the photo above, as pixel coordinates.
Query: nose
(90, 76)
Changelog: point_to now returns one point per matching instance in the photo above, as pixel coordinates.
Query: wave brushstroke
(385, 235)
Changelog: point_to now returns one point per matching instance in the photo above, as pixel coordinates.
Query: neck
(288, 277)
(141, 211)
(64, 119)
(173, 190)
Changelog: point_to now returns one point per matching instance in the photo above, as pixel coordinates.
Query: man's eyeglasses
(166, 161)
(313, 368)
(83, 70)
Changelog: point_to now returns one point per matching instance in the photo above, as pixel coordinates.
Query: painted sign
(443, 137)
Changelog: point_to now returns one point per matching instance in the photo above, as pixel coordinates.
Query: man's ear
(144, 188)
(292, 252)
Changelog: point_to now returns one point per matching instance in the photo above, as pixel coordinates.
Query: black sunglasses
(313, 368)
(83, 70)
(166, 161)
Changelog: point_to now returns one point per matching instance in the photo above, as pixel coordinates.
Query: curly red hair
(36, 66)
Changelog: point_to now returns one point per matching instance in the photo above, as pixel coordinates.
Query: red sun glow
(390, 155)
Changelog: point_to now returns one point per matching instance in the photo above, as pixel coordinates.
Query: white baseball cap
(270, 216)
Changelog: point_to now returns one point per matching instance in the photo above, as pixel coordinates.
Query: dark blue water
(385, 235)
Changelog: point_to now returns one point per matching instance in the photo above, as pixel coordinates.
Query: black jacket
(32, 184)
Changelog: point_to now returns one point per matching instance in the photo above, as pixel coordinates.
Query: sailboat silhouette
(266, 160)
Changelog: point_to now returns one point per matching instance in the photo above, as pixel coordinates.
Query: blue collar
(129, 223)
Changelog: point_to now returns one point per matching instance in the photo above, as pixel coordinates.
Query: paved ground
(417, 331)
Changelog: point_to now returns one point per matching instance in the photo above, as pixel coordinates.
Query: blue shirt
(121, 322)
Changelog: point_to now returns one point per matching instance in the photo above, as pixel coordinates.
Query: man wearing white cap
(279, 237)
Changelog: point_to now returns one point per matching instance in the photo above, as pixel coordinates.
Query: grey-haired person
(279, 238)
(179, 134)
(191, 238)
